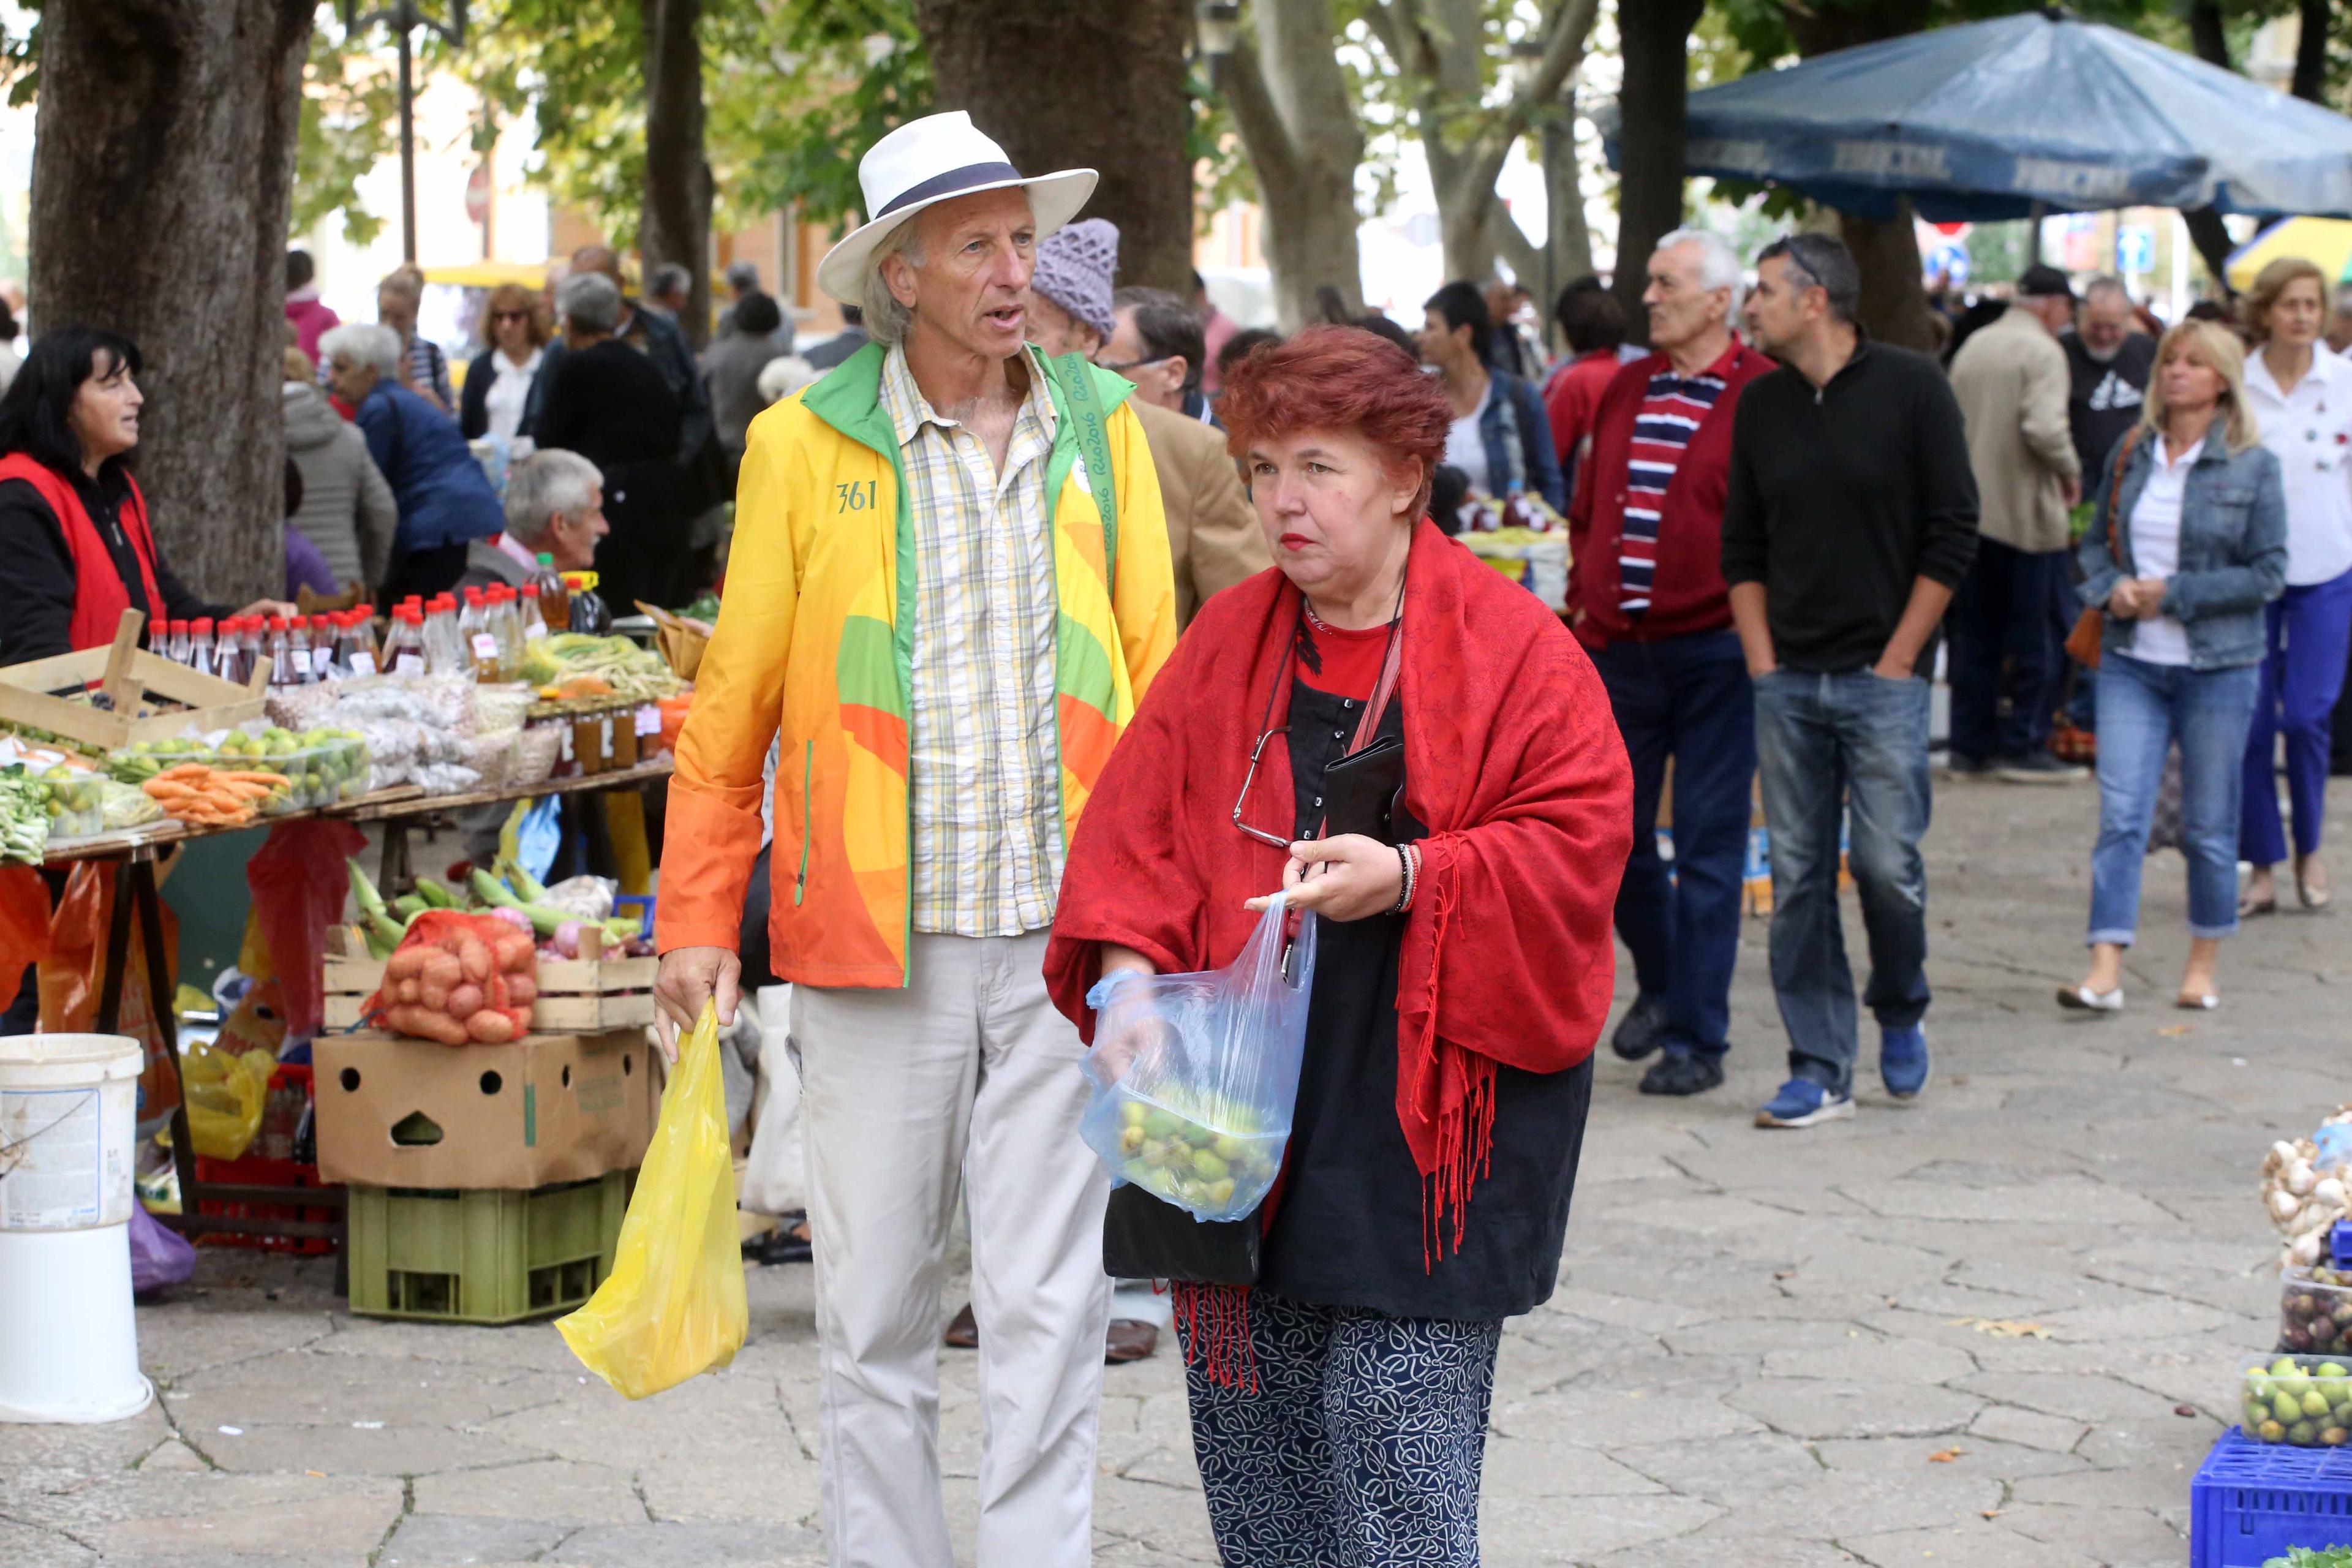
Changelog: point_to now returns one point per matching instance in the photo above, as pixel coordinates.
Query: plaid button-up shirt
(984, 763)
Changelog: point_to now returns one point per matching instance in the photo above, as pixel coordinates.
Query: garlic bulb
(2283, 1207)
(2306, 1251)
(2329, 1190)
(2301, 1178)
(2283, 1152)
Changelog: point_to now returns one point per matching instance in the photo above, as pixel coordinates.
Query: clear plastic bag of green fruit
(1195, 1076)
(2304, 1400)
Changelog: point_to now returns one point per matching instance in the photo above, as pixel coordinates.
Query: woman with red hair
(1415, 749)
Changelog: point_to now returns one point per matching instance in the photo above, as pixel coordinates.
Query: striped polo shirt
(1671, 413)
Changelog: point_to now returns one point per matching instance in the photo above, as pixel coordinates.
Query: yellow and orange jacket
(814, 641)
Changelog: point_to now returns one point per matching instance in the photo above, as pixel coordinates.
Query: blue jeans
(2004, 621)
(2308, 630)
(1688, 698)
(2144, 709)
(1829, 746)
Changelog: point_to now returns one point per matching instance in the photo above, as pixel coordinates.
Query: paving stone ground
(1768, 1349)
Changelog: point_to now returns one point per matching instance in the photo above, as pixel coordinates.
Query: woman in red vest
(76, 549)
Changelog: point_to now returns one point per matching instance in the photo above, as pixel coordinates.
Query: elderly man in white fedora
(949, 586)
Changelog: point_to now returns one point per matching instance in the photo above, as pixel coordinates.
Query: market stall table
(138, 850)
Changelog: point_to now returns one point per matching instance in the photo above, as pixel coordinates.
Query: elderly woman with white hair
(609, 403)
(446, 500)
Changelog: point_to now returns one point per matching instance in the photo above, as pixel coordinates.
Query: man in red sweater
(1647, 598)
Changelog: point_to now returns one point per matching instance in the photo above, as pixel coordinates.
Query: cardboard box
(396, 1112)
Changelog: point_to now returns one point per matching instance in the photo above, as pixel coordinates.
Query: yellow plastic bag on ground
(674, 1304)
(225, 1093)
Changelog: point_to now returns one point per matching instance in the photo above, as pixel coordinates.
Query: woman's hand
(689, 977)
(1114, 1053)
(269, 607)
(2137, 598)
(1342, 879)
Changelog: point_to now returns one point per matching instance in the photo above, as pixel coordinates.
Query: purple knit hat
(1074, 270)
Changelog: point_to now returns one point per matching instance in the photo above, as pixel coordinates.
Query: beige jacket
(1213, 538)
(2011, 381)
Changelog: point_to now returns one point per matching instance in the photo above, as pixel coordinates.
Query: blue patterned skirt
(1359, 1445)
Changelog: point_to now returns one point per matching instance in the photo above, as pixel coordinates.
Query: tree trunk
(1893, 298)
(162, 175)
(2206, 231)
(1290, 103)
(1441, 47)
(1654, 38)
(2310, 81)
(1571, 238)
(676, 226)
(1078, 84)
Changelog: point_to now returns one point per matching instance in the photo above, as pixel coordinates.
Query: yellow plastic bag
(226, 1092)
(674, 1304)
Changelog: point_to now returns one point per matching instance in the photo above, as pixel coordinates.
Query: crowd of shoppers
(1647, 598)
(2187, 546)
(1849, 518)
(2299, 396)
(1500, 438)
(2007, 619)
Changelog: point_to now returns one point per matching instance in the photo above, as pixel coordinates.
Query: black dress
(1349, 1228)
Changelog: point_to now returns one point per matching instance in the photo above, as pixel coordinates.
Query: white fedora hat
(932, 160)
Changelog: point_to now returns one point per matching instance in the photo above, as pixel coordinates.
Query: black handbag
(1144, 1238)
(1364, 791)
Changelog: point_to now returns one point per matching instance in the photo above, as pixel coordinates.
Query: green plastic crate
(487, 1256)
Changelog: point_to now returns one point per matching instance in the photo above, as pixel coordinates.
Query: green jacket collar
(849, 398)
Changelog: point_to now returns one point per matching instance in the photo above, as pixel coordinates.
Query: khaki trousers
(966, 1079)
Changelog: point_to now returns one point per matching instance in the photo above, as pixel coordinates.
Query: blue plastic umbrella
(1983, 122)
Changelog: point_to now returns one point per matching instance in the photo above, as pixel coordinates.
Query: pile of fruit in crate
(2300, 1399)
(318, 767)
(218, 797)
(618, 663)
(555, 918)
(461, 979)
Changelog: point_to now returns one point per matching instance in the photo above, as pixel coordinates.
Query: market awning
(2325, 242)
(1984, 121)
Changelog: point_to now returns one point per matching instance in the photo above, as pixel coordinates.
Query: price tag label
(322, 659)
(649, 720)
(485, 646)
(409, 664)
(362, 662)
(533, 632)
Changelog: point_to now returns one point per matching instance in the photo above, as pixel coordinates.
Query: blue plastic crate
(2253, 1500)
(2339, 1243)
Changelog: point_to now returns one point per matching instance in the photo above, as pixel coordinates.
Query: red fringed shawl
(1512, 761)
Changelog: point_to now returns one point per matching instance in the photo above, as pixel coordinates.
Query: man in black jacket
(1851, 516)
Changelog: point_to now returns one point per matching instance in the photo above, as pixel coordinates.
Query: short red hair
(1338, 378)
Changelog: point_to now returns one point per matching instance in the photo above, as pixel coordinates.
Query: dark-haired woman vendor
(76, 546)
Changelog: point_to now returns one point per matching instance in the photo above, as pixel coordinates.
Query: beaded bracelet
(1409, 867)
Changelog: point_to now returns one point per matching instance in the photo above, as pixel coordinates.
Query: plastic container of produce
(2315, 1312)
(2304, 1400)
(77, 803)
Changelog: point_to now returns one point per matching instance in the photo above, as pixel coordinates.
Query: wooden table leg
(136, 885)
(392, 871)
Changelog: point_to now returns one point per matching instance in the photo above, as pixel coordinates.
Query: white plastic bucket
(69, 1339)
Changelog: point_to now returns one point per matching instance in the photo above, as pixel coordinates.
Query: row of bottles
(485, 636)
(296, 649)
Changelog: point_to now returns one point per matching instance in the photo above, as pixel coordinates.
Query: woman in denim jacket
(2187, 543)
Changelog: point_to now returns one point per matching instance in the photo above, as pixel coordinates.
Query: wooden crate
(142, 688)
(576, 995)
